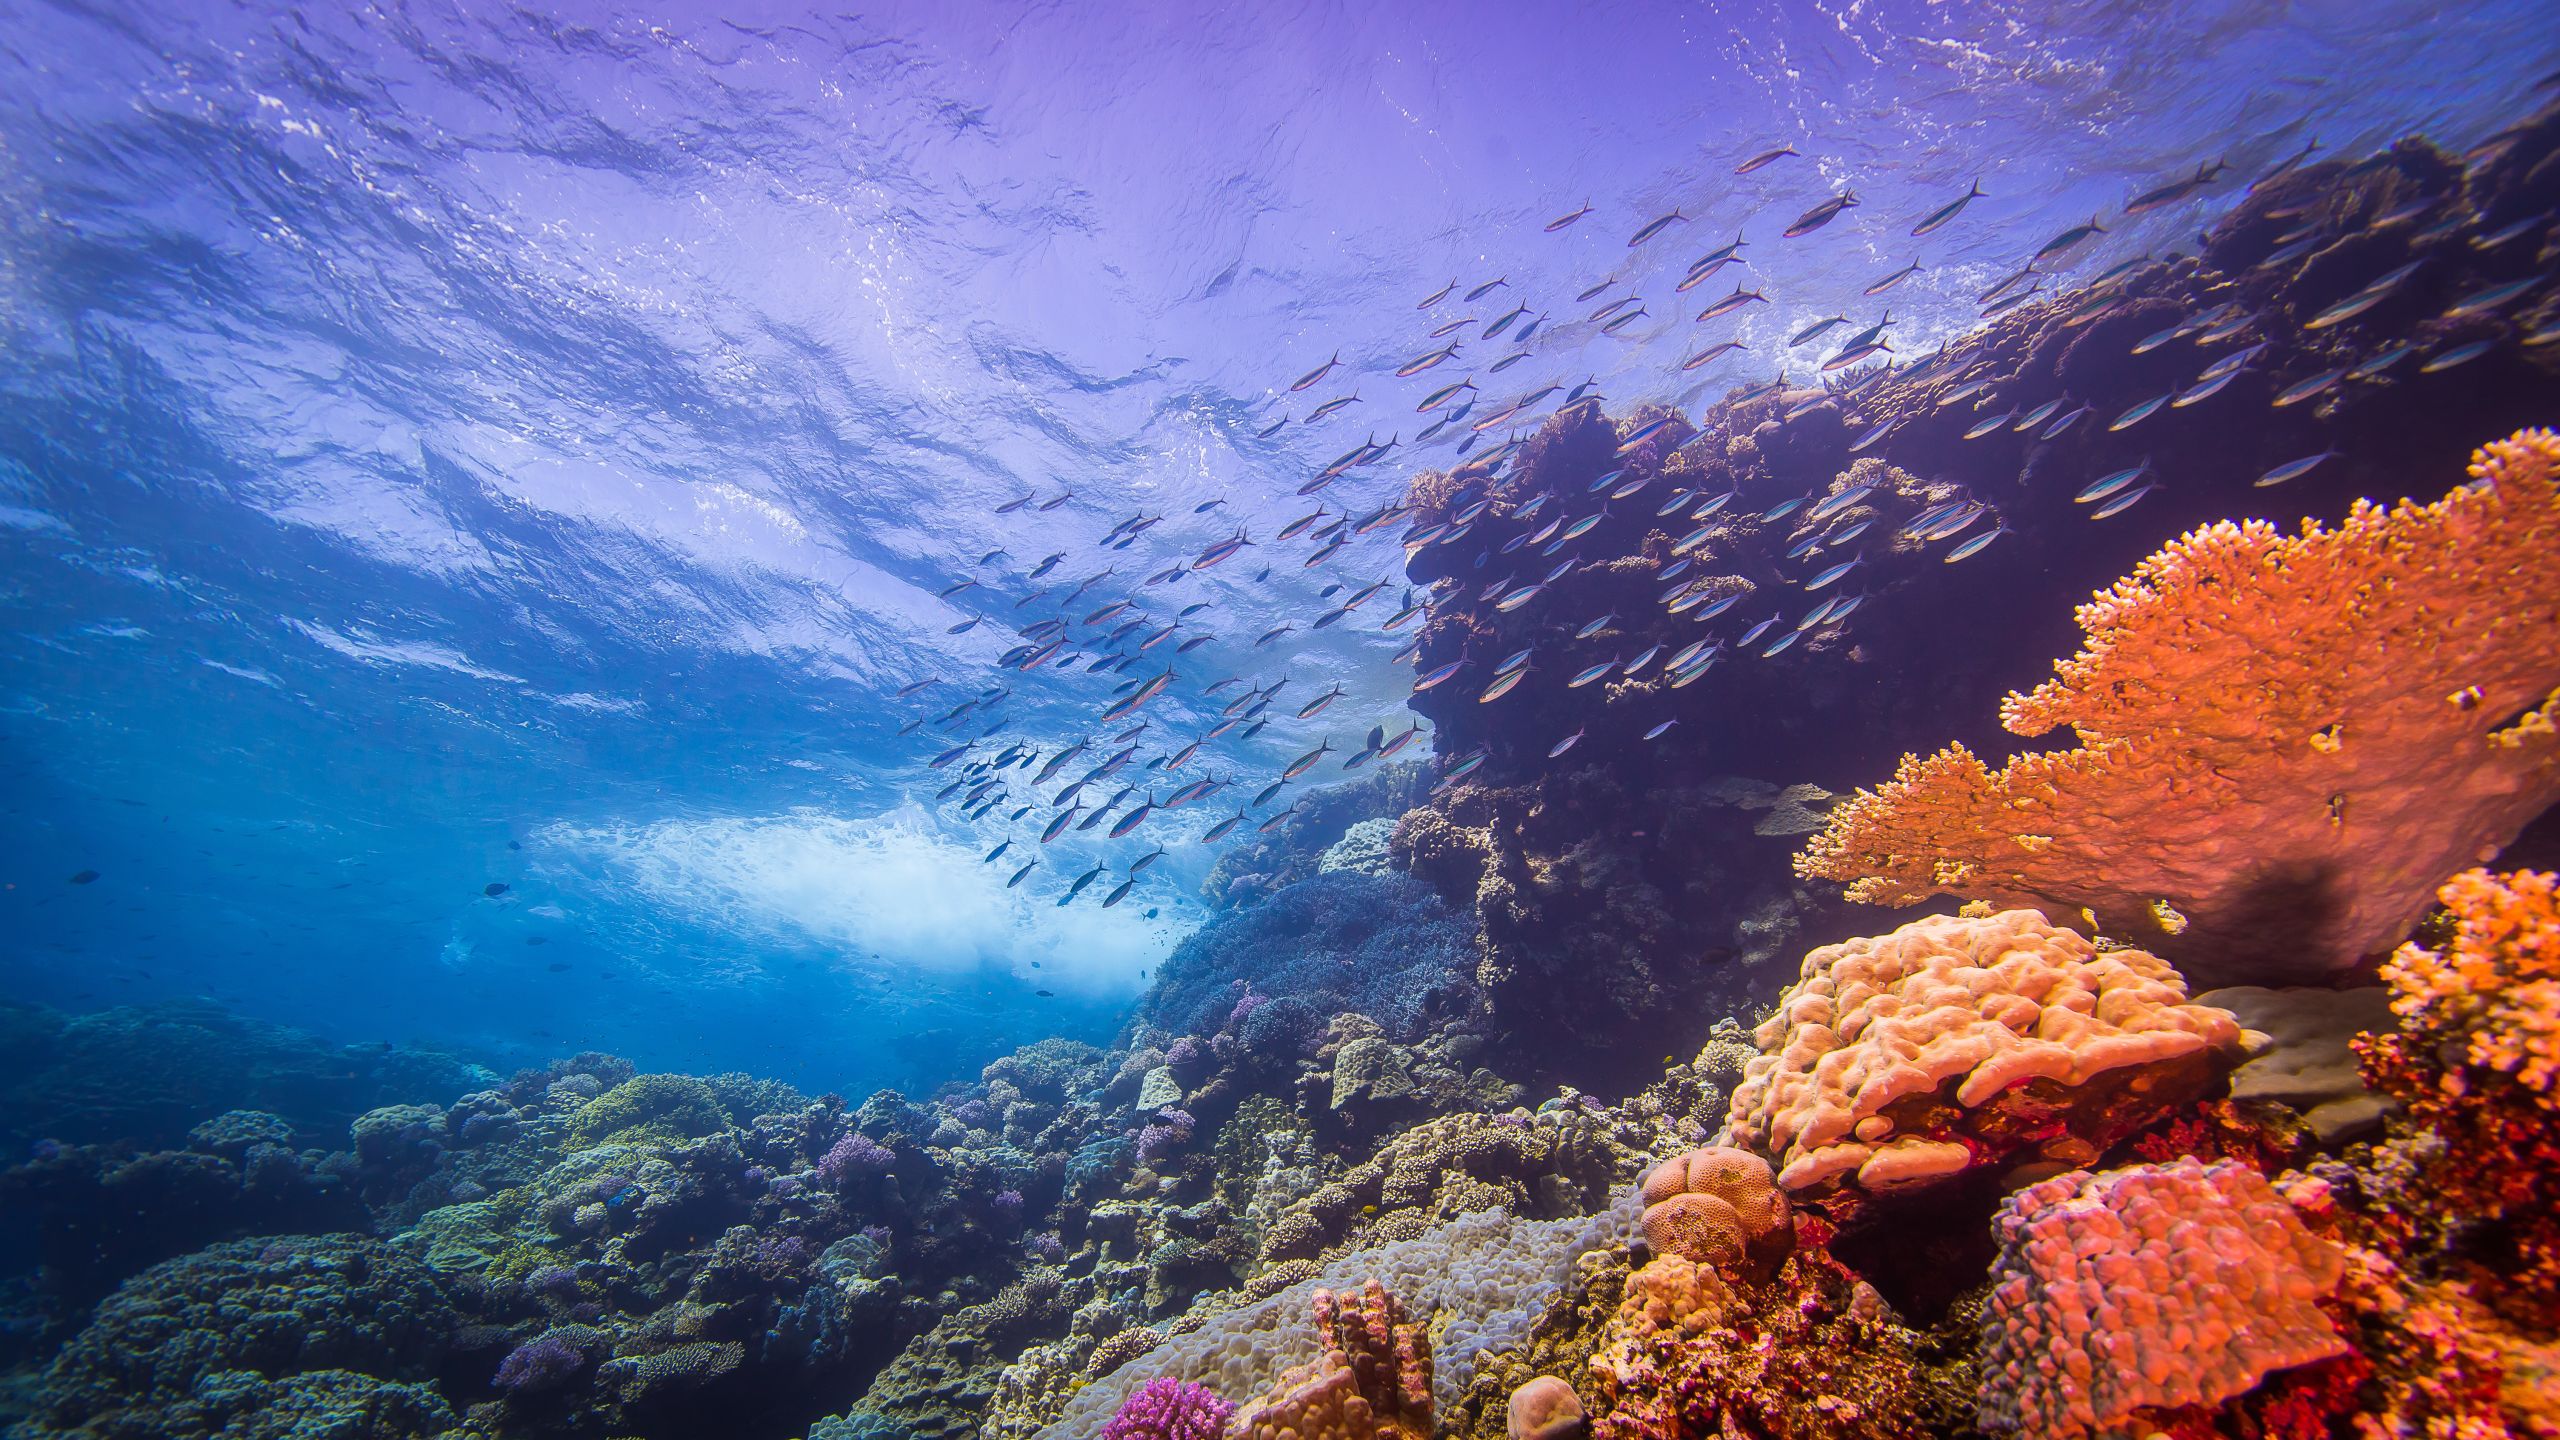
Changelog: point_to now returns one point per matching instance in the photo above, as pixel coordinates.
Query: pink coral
(1169, 1409)
(2300, 737)
(2147, 1288)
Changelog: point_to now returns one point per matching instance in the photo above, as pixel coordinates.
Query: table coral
(2285, 742)
(2477, 1061)
(1955, 1042)
(1719, 1206)
(1373, 1381)
(2150, 1287)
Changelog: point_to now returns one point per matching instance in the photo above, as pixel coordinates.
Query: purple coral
(976, 1114)
(1171, 1128)
(1008, 1206)
(855, 1155)
(539, 1364)
(1168, 1409)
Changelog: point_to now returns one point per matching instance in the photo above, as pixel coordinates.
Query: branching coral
(2477, 1061)
(1954, 1042)
(2152, 1287)
(1168, 1409)
(2285, 743)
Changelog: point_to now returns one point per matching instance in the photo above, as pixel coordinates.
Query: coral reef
(1691, 1354)
(2286, 743)
(2148, 1288)
(2477, 1062)
(1957, 1042)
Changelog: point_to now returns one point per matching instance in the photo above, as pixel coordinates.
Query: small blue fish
(1591, 675)
(1657, 731)
(2305, 389)
(1567, 743)
(2139, 413)
(2124, 502)
(2107, 485)
(1977, 544)
(2459, 354)
(2294, 469)
(1782, 643)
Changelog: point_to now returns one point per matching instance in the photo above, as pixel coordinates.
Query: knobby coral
(1955, 1041)
(2152, 1287)
(2285, 742)
(2477, 1060)
(1373, 1379)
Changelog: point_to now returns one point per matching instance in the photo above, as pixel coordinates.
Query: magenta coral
(1169, 1409)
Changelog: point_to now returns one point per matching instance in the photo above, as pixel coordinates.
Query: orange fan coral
(2477, 1060)
(2286, 742)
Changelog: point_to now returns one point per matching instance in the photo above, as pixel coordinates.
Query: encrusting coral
(2477, 1061)
(2285, 742)
(2149, 1288)
(1956, 1042)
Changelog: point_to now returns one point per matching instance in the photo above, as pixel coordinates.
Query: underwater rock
(2153, 1287)
(2287, 742)
(1615, 915)
(2306, 1062)
(1159, 1089)
(243, 1333)
(1955, 1043)
(1380, 946)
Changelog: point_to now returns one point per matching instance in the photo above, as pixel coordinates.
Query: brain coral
(1719, 1206)
(2286, 743)
(2151, 1287)
(1959, 1041)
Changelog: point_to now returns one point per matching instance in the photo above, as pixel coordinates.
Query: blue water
(446, 446)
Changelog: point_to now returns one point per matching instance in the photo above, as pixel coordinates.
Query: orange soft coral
(2286, 742)
(2477, 1061)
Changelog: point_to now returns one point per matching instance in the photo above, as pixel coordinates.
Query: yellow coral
(2200, 677)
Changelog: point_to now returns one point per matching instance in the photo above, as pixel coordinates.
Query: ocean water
(482, 486)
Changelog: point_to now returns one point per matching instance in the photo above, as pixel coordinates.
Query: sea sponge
(2154, 1286)
(1372, 1381)
(1719, 1206)
(2285, 743)
(2477, 1061)
(1960, 1041)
